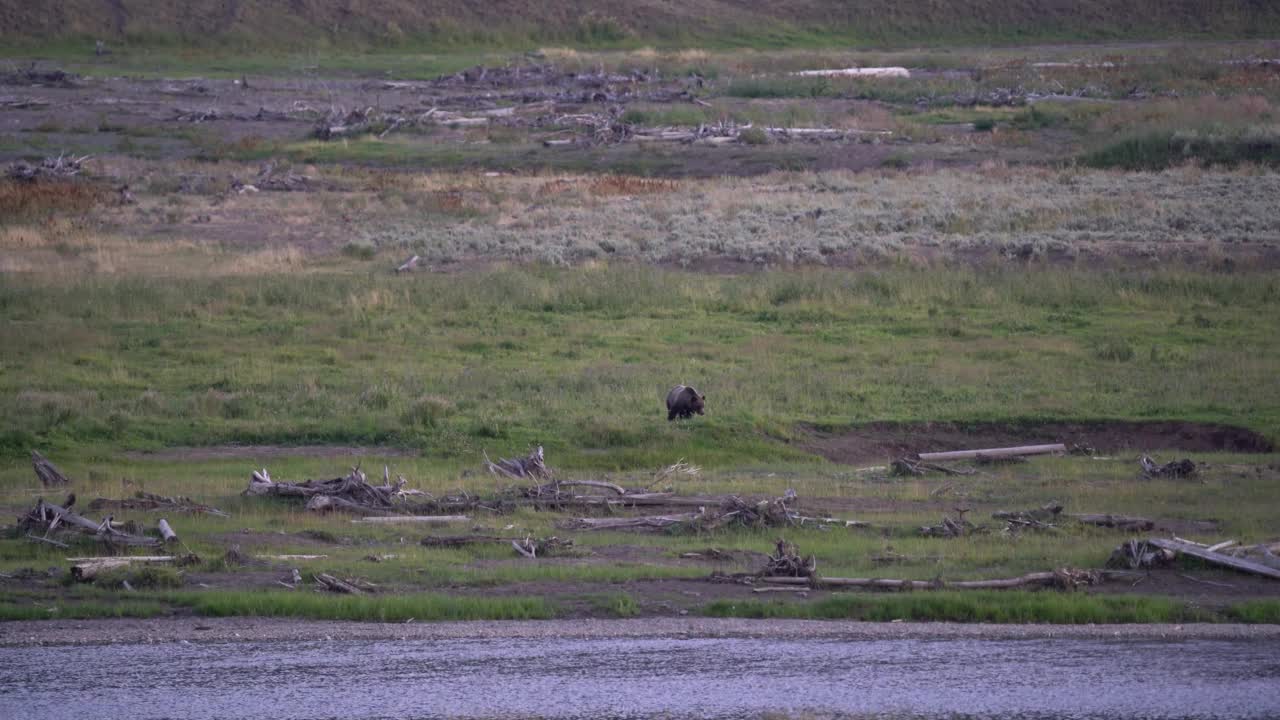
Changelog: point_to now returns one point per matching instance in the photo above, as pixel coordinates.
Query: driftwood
(1064, 578)
(1047, 512)
(409, 265)
(995, 452)
(351, 493)
(527, 546)
(532, 466)
(148, 501)
(1175, 469)
(1217, 558)
(350, 586)
(1122, 522)
(868, 72)
(87, 568)
(907, 466)
(48, 473)
(729, 511)
(786, 562)
(430, 519)
(167, 532)
(646, 522)
(1137, 554)
(47, 518)
(50, 168)
(952, 527)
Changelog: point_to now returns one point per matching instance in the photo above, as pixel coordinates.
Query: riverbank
(166, 630)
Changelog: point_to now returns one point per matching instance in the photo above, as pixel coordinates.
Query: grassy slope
(278, 23)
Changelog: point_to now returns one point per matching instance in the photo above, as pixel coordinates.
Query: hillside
(361, 23)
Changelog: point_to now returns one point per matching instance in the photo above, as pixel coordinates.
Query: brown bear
(683, 401)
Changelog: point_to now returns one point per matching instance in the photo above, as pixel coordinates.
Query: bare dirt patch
(876, 442)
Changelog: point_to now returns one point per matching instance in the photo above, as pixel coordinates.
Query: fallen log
(1047, 512)
(87, 568)
(430, 519)
(48, 473)
(167, 532)
(870, 72)
(329, 503)
(1018, 451)
(1174, 469)
(1121, 522)
(291, 557)
(1215, 558)
(409, 265)
(533, 465)
(646, 522)
(148, 501)
(48, 517)
(328, 582)
(1064, 578)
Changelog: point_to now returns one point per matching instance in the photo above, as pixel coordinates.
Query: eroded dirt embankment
(93, 632)
(875, 442)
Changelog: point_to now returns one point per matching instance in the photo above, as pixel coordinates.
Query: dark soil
(879, 442)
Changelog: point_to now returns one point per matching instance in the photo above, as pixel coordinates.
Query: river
(646, 677)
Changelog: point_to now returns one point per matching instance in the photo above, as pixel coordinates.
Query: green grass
(989, 607)
(579, 359)
(1160, 149)
(382, 608)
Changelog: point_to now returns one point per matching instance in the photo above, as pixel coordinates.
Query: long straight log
(1038, 578)
(1216, 558)
(1123, 522)
(87, 569)
(432, 519)
(996, 452)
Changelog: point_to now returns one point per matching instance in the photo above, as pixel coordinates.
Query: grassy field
(973, 260)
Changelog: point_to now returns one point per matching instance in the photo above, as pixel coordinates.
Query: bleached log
(1221, 546)
(648, 522)
(291, 557)
(1216, 558)
(430, 519)
(591, 483)
(167, 532)
(1018, 451)
(88, 568)
(1037, 578)
(333, 584)
(867, 72)
(408, 265)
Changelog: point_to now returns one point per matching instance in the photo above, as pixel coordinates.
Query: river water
(655, 677)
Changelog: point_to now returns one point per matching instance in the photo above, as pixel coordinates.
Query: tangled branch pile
(786, 562)
(351, 492)
(56, 523)
(50, 168)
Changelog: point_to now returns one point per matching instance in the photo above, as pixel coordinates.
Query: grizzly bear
(683, 401)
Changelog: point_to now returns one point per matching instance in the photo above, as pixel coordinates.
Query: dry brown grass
(610, 185)
(27, 201)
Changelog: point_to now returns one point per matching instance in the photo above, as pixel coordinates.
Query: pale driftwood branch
(87, 568)
(291, 557)
(55, 543)
(1063, 578)
(1216, 558)
(1018, 451)
(429, 519)
(333, 584)
(49, 517)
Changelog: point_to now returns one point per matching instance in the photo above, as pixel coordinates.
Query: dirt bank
(92, 632)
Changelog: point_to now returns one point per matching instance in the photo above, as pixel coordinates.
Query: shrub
(753, 136)
(985, 124)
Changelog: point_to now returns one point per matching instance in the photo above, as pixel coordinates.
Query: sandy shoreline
(133, 631)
